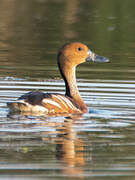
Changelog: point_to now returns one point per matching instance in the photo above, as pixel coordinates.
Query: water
(97, 145)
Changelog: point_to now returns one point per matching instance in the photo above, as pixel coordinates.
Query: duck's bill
(95, 58)
(100, 59)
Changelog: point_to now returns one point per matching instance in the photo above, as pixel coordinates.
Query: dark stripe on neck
(63, 76)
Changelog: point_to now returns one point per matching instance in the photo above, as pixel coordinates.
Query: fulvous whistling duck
(69, 56)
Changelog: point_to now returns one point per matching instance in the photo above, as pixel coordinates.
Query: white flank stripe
(38, 108)
(49, 101)
(59, 97)
(63, 99)
(68, 102)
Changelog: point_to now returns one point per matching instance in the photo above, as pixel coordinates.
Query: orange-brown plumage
(69, 56)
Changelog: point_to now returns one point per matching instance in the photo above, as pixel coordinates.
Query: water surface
(97, 145)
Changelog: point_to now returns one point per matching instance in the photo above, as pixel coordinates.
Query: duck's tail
(16, 106)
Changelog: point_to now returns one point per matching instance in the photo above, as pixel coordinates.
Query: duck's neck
(69, 76)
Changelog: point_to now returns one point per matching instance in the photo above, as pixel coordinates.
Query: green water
(32, 32)
(100, 145)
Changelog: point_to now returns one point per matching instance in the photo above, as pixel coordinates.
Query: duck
(69, 56)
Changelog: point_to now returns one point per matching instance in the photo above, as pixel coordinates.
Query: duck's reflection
(70, 149)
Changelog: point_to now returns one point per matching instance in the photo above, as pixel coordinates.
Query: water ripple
(82, 143)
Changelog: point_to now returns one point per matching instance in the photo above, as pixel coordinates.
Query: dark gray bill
(95, 58)
(100, 59)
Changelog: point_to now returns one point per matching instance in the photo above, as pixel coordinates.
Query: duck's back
(44, 102)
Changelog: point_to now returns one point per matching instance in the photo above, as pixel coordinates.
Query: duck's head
(75, 53)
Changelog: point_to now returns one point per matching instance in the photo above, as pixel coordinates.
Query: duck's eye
(80, 49)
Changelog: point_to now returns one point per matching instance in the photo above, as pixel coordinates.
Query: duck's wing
(43, 102)
(31, 101)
